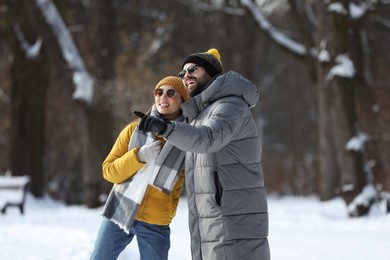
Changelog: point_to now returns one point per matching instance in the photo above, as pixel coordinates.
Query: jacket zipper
(218, 189)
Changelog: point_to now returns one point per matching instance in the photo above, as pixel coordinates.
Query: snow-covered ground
(300, 228)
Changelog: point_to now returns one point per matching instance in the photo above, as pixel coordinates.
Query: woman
(145, 195)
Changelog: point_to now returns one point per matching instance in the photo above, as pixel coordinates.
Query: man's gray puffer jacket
(228, 216)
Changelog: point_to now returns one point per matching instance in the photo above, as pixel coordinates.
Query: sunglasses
(158, 92)
(190, 70)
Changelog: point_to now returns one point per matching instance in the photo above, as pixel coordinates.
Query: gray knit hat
(210, 61)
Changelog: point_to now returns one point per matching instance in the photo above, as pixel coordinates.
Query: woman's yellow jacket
(156, 207)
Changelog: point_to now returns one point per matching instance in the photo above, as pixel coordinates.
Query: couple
(209, 132)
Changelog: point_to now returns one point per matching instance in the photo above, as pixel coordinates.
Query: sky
(300, 228)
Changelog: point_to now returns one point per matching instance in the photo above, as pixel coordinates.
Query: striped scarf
(125, 198)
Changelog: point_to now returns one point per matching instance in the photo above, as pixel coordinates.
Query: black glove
(151, 123)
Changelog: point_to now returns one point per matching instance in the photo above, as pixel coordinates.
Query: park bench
(13, 192)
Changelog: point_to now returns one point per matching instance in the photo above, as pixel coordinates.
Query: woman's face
(168, 107)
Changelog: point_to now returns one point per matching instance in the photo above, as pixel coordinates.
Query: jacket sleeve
(121, 164)
(214, 132)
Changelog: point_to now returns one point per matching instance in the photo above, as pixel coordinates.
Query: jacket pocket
(218, 189)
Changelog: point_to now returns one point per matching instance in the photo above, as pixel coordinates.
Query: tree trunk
(341, 170)
(29, 85)
(350, 163)
(100, 117)
(328, 170)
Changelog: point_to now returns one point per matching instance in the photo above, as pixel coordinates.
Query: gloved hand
(149, 152)
(151, 123)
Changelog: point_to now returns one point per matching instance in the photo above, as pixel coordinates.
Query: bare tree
(119, 49)
(99, 113)
(30, 77)
(326, 44)
(43, 48)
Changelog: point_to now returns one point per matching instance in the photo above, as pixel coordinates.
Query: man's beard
(201, 82)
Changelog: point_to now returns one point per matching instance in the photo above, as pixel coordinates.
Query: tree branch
(273, 33)
(81, 77)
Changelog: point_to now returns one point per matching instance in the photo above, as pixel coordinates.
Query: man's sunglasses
(190, 70)
(158, 92)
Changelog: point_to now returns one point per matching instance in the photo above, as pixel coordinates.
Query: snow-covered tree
(333, 42)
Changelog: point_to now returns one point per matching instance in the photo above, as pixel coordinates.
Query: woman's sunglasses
(158, 92)
(190, 70)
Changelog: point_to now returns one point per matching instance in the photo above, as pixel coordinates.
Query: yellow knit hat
(210, 61)
(176, 83)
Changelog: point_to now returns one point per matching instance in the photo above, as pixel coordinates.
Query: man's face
(195, 78)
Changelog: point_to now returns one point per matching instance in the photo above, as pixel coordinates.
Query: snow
(31, 51)
(323, 56)
(273, 32)
(356, 143)
(300, 228)
(356, 11)
(344, 67)
(364, 197)
(337, 8)
(11, 189)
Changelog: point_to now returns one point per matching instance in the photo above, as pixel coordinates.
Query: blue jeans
(153, 241)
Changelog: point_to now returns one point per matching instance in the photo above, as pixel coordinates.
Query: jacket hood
(229, 84)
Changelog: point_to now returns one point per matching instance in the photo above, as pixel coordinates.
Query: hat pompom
(214, 52)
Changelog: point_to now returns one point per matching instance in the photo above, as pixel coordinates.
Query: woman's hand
(149, 152)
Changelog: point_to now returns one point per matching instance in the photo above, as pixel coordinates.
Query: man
(227, 203)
